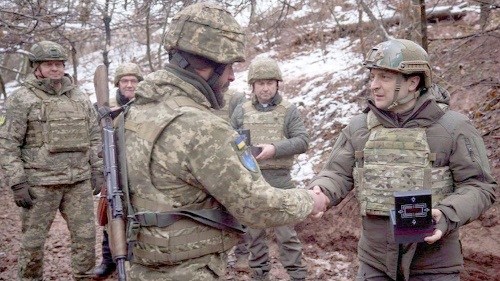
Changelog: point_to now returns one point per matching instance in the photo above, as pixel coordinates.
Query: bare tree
(423, 25)
(375, 21)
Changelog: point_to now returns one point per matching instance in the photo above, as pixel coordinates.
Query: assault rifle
(115, 211)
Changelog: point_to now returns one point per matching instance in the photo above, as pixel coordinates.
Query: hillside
(323, 76)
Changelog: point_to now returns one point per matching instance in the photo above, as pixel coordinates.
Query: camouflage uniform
(233, 99)
(278, 124)
(39, 147)
(458, 149)
(183, 159)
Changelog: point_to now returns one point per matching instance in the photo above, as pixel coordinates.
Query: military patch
(3, 115)
(248, 161)
(240, 142)
(245, 155)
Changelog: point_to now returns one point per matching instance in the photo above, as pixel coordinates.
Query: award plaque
(412, 216)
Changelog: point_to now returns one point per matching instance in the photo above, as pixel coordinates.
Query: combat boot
(241, 264)
(104, 270)
(259, 275)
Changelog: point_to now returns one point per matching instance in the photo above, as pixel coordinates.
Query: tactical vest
(267, 127)
(185, 233)
(62, 124)
(396, 159)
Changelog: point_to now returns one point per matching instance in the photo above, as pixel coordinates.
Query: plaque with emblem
(412, 216)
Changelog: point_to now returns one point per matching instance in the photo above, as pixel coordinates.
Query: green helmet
(128, 69)
(207, 30)
(400, 55)
(47, 51)
(264, 69)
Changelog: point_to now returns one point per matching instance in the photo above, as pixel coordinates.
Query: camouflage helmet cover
(207, 30)
(128, 69)
(264, 69)
(47, 51)
(400, 55)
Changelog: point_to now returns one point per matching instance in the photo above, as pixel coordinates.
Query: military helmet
(128, 69)
(400, 55)
(207, 30)
(47, 51)
(264, 69)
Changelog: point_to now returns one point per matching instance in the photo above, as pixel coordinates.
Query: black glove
(23, 195)
(96, 180)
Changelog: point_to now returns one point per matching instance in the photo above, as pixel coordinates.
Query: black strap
(212, 217)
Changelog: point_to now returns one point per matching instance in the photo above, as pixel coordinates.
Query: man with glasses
(127, 76)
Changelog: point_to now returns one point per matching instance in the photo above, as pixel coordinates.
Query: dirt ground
(330, 243)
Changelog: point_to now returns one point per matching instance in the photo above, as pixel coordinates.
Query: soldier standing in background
(405, 140)
(191, 176)
(49, 143)
(127, 76)
(276, 127)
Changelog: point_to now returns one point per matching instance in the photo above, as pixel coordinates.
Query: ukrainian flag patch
(240, 143)
(244, 154)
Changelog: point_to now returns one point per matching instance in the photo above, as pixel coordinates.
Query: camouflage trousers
(210, 267)
(76, 205)
(290, 249)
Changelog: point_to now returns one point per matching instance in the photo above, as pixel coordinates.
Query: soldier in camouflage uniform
(275, 126)
(127, 76)
(191, 176)
(408, 140)
(49, 145)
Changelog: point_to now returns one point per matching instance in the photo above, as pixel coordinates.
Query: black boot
(104, 270)
(108, 266)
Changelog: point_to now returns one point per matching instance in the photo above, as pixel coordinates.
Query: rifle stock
(114, 194)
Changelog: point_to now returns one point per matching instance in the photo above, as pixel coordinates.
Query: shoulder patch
(245, 155)
(240, 142)
(248, 161)
(3, 115)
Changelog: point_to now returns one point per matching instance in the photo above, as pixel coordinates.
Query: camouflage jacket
(457, 145)
(38, 164)
(197, 160)
(296, 138)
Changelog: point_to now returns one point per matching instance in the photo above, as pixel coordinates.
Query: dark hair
(421, 83)
(196, 61)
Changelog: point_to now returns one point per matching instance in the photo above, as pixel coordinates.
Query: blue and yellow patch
(240, 142)
(3, 115)
(246, 157)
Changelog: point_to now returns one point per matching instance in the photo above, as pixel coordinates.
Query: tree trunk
(423, 25)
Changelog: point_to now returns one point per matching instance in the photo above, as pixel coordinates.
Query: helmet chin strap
(395, 102)
(178, 60)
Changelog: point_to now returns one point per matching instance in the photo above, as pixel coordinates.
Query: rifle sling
(212, 217)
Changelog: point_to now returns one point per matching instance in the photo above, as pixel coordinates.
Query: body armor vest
(181, 238)
(396, 159)
(61, 124)
(267, 127)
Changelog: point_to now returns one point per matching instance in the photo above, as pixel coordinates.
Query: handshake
(321, 202)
